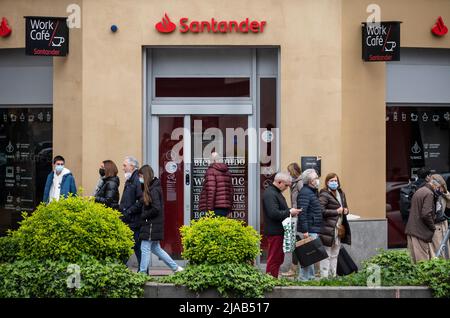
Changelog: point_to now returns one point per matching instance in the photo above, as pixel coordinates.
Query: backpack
(406, 194)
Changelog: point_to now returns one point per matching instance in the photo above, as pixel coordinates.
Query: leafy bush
(68, 228)
(37, 278)
(230, 279)
(8, 249)
(216, 240)
(396, 267)
(435, 274)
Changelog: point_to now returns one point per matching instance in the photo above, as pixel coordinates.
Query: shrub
(37, 278)
(435, 274)
(215, 240)
(8, 249)
(230, 279)
(396, 267)
(68, 228)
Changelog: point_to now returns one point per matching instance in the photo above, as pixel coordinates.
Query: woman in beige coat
(441, 222)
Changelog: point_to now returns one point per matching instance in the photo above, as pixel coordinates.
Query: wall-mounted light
(114, 28)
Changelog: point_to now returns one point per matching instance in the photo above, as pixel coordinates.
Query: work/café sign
(381, 41)
(48, 36)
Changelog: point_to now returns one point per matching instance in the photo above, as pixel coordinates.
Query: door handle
(187, 178)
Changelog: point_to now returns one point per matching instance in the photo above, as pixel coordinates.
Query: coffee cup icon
(59, 40)
(390, 46)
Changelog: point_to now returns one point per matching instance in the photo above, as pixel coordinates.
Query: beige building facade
(329, 102)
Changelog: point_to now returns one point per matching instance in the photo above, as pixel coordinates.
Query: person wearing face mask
(60, 182)
(275, 210)
(310, 221)
(130, 205)
(442, 197)
(420, 227)
(152, 221)
(107, 191)
(335, 228)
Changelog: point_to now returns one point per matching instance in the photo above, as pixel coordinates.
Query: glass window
(268, 121)
(415, 137)
(202, 87)
(25, 161)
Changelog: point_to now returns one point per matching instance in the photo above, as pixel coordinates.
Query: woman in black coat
(152, 221)
(335, 228)
(107, 191)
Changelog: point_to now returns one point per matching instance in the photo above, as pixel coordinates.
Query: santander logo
(165, 26)
(439, 28)
(5, 29)
(210, 26)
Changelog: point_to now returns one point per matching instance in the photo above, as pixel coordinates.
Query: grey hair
(133, 161)
(307, 175)
(283, 176)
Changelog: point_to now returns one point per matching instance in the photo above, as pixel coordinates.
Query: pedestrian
(107, 191)
(130, 205)
(442, 197)
(60, 182)
(295, 172)
(217, 191)
(152, 221)
(310, 220)
(420, 227)
(275, 210)
(335, 227)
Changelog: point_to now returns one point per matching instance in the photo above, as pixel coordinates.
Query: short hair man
(310, 221)
(60, 182)
(275, 211)
(130, 205)
(420, 227)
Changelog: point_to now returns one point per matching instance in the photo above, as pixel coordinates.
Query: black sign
(47, 36)
(26, 151)
(381, 41)
(311, 162)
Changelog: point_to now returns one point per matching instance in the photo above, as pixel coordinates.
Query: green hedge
(215, 240)
(9, 247)
(37, 278)
(69, 228)
(230, 279)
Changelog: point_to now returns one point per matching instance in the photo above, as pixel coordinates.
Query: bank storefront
(262, 83)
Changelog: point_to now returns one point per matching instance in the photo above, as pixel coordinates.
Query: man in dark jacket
(420, 227)
(217, 191)
(59, 182)
(310, 221)
(275, 211)
(130, 204)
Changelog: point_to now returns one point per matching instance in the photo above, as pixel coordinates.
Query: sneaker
(179, 269)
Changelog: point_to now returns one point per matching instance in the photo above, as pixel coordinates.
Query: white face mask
(317, 183)
(127, 175)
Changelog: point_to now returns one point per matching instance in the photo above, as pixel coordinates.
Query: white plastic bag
(289, 235)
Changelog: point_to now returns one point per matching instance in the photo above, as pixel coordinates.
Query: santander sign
(210, 26)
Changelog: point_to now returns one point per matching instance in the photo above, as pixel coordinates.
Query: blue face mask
(333, 185)
(141, 180)
(58, 169)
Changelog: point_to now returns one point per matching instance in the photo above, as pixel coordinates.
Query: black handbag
(310, 251)
(345, 264)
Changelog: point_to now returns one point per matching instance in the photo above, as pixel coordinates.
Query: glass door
(185, 144)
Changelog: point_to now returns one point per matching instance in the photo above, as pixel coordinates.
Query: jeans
(307, 273)
(137, 244)
(221, 212)
(148, 247)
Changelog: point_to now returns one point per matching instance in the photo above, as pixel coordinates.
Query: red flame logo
(5, 30)
(165, 26)
(439, 27)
